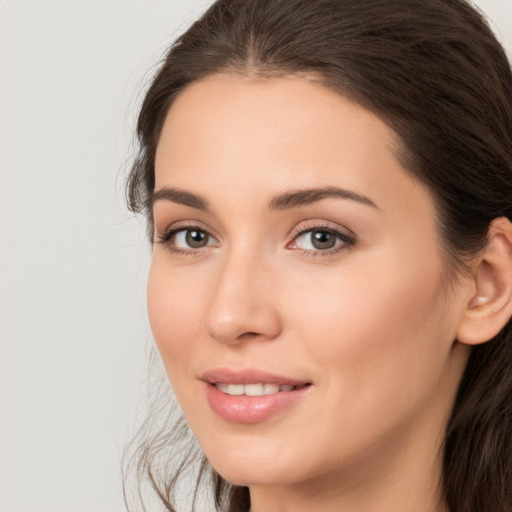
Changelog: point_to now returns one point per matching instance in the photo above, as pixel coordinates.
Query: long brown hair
(432, 70)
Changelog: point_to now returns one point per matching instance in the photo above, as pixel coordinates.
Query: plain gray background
(73, 261)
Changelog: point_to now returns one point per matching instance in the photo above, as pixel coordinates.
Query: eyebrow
(179, 196)
(297, 198)
(285, 201)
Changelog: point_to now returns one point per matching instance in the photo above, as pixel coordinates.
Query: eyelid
(183, 224)
(172, 229)
(311, 225)
(349, 239)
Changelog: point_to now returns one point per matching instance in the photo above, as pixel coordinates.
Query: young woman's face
(297, 291)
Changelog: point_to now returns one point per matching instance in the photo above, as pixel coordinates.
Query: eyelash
(167, 236)
(347, 240)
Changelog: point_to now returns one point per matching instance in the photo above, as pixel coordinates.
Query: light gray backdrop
(72, 259)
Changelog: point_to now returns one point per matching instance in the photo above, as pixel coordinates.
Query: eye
(186, 239)
(321, 239)
(192, 238)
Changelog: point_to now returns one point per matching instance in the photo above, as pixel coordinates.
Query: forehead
(258, 111)
(260, 136)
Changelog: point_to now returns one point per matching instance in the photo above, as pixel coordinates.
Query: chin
(248, 476)
(257, 467)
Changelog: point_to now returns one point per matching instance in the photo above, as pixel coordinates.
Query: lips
(249, 376)
(250, 396)
(258, 389)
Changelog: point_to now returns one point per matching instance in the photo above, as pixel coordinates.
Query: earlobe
(490, 307)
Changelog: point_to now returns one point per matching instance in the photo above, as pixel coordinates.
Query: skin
(372, 325)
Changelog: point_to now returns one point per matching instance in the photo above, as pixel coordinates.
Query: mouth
(257, 389)
(252, 396)
(251, 382)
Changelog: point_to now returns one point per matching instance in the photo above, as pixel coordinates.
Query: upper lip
(248, 376)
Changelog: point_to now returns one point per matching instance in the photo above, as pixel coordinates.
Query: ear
(490, 306)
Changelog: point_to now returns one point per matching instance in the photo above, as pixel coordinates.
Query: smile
(260, 389)
(251, 396)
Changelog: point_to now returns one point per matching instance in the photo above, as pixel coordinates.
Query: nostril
(231, 320)
(248, 335)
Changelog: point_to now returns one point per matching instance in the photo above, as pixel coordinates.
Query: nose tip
(237, 323)
(234, 329)
(242, 308)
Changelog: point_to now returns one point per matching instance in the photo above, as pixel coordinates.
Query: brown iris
(196, 238)
(323, 239)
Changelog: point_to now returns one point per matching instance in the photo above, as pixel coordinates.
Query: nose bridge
(242, 305)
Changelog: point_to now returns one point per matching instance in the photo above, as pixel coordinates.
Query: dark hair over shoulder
(435, 73)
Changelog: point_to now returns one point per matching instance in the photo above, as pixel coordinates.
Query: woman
(328, 187)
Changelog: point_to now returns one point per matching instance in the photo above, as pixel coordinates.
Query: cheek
(174, 303)
(377, 326)
(379, 342)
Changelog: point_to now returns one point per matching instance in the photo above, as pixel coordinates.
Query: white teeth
(231, 389)
(223, 387)
(252, 389)
(270, 389)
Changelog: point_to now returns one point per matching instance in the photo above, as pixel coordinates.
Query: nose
(243, 306)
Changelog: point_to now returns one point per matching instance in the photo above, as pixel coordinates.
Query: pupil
(323, 239)
(196, 238)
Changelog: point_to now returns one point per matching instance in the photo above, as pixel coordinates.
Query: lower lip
(251, 409)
